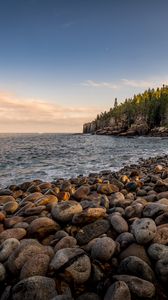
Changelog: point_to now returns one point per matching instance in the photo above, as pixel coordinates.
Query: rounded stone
(65, 242)
(63, 196)
(158, 251)
(152, 210)
(144, 230)
(10, 222)
(34, 210)
(118, 223)
(135, 266)
(135, 210)
(135, 250)
(161, 236)
(60, 234)
(131, 186)
(36, 287)
(82, 192)
(64, 211)
(103, 249)
(117, 199)
(139, 287)
(7, 247)
(2, 216)
(125, 239)
(41, 227)
(158, 169)
(10, 207)
(118, 291)
(107, 188)
(36, 265)
(45, 185)
(26, 250)
(161, 186)
(17, 233)
(89, 215)
(162, 219)
(47, 199)
(4, 199)
(91, 231)
(63, 256)
(162, 269)
(73, 264)
(79, 271)
(2, 272)
(33, 197)
(163, 201)
(21, 225)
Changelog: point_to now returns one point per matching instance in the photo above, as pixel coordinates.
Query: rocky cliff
(145, 114)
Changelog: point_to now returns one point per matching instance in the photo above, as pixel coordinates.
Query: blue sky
(69, 59)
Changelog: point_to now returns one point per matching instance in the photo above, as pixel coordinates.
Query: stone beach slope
(104, 236)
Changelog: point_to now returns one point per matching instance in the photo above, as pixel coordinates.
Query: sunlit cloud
(97, 84)
(120, 84)
(138, 83)
(28, 115)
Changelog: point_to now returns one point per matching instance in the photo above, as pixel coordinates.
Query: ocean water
(24, 157)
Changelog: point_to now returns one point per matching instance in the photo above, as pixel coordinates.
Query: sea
(24, 157)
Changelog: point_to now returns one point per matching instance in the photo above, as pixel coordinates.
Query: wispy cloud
(36, 115)
(142, 84)
(67, 24)
(97, 84)
(138, 83)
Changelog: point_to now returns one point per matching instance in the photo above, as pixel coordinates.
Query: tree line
(151, 105)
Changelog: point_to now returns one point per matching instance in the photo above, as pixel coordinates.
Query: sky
(64, 61)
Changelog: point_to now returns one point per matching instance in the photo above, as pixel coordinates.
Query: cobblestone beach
(100, 237)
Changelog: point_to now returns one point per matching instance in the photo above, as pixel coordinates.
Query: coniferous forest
(144, 113)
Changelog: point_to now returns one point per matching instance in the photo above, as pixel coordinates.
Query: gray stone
(135, 266)
(36, 287)
(91, 231)
(118, 291)
(118, 223)
(64, 211)
(103, 249)
(139, 287)
(144, 230)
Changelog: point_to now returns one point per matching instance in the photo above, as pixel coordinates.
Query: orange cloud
(30, 115)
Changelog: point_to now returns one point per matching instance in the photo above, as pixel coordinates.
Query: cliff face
(146, 113)
(121, 127)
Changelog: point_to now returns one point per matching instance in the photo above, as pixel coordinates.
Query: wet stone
(82, 192)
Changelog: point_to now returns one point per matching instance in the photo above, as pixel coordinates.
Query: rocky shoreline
(101, 237)
(134, 130)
